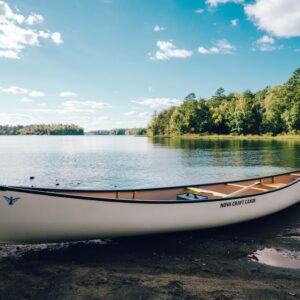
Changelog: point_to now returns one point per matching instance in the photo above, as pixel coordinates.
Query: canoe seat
(242, 189)
(275, 185)
(198, 191)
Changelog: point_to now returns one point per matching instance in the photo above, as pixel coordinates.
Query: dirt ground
(211, 264)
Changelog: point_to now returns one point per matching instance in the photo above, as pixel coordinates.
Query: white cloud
(49, 110)
(34, 19)
(144, 114)
(266, 40)
(36, 94)
(25, 99)
(203, 50)
(157, 102)
(158, 28)
(16, 90)
(71, 108)
(168, 50)
(266, 43)
(44, 34)
(67, 94)
(16, 32)
(234, 22)
(221, 47)
(84, 106)
(280, 18)
(9, 54)
(215, 3)
(199, 11)
(56, 38)
(130, 113)
(14, 118)
(7, 14)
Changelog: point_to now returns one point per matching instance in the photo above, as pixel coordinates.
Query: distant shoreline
(64, 129)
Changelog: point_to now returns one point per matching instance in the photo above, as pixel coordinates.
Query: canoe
(30, 215)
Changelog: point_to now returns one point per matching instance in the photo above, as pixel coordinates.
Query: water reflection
(277, 258)
(238, 152)
(101, 162)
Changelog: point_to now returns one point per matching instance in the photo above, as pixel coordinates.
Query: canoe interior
(211, 191)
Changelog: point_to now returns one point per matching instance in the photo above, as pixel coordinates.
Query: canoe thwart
(254, 188)
(243, 189)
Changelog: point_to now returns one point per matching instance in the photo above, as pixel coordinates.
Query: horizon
(110, 64)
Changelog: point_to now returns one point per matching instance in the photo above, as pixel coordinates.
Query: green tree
(191, 97)
(274, 107)
(272, 110)
(245, 114)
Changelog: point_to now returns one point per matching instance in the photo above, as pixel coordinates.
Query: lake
(105, 162)
(219, 263)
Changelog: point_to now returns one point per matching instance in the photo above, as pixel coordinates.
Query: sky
(105, 64)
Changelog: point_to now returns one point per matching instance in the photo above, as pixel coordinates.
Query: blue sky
(104, 64)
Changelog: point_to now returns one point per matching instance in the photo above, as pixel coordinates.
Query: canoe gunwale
(60, 192)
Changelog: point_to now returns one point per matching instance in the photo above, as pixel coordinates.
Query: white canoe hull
(42, 217)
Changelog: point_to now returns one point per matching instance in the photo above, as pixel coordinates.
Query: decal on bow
(11, 200)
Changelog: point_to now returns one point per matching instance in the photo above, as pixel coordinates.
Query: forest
(41, 129)
(273, 111)
(119, 131)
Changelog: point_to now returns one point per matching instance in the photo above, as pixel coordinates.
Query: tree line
(273, 110)
(120, 131)
(41, 129)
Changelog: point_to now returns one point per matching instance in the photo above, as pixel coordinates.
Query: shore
(281, 137)
(210, 264)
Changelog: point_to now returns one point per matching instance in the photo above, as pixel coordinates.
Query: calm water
(132, 162)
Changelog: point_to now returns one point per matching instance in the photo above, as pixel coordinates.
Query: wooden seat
(275, 185)
(295, 174)
(242, 189)
(197, 191)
